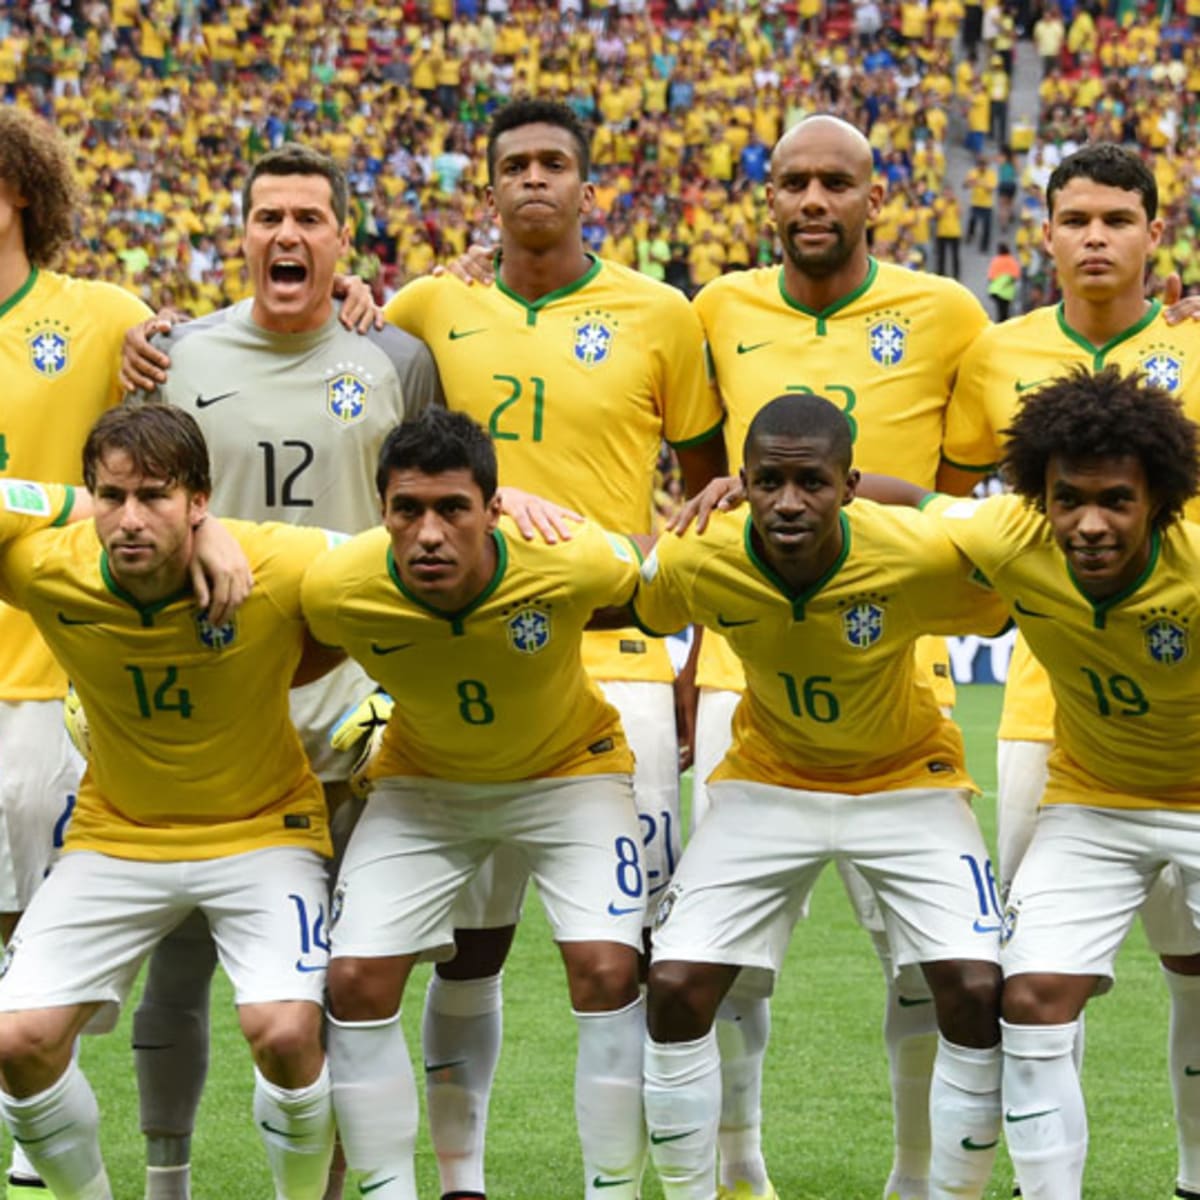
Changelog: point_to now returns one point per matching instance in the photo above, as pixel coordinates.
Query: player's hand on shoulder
(359, 312)
(474, 265)
(538, 517)
(143, 366)
(221, 575)
(1179, 308)
(721, 495)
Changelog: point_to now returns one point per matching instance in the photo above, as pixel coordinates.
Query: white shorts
(39, 777)
(494, 897)
(1084, 877)
(96, 918)
(748, 872)
(420, 842)
(316, 709)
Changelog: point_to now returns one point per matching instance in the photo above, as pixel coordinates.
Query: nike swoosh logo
(307, 970)
(967, 1144)
(742, 348)
(1012, 1118)
(1020, 387)
(727, 624)
(614, 911)
(457, 334)
(365, 1189)
(659, 1139)
(44, 1138)
(599, 1182)
(65, 620)
(913, 1001)
(376, 648)
(280, 1132)
(152, 1045)
(985, 927)
(1028, 612)
(205, 401)
(431, 1068)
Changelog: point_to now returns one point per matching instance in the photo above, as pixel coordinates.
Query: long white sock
(461, 1034)
(1044, 1118)
(60, 1130)
(683, 1110)
(608, 1100)
(375, 1101)
(964, 1115)
(296, 1126)
(911, 1039)
(743, 1030)
(1183, 1058)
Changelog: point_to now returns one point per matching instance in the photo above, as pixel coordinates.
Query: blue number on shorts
(60, 826)
(312, 934)
(629, 870)
(984, 879)
(649, 831)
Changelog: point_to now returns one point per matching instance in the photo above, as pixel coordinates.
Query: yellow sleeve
(408, 308)
(26, 506)
(607, 573)
(970, 443)
(687, 396)
(281, 555)
(989, 532)
(660, 605)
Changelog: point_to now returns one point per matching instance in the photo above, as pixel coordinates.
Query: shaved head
(828, 133)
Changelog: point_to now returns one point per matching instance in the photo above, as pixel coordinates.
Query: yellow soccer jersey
(497, 691)
(193, 754)
(1124, 672)
(834, 700)
(887, 353)
(1017, 357)
(60, 348)
(26, 507)
(578, 391)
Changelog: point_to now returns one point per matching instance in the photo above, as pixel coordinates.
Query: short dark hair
(34, 163)
(538, 112)
(435, 441)
(294, 159)
(1110, 164)
(1084, 416)
(162, 441)
(803, 415)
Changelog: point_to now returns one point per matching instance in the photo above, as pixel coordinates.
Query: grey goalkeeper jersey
(294, 422)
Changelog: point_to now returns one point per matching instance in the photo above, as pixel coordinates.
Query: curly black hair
(1083, 416)
(34, 163)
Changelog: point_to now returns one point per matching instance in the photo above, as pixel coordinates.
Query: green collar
(1101, 608)
(1099, 353)
(20, 293)
(532, 309)
(798, 600)
(821, 316)
(147, 612)
(457, 619)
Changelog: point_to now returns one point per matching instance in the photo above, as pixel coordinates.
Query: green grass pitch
(827, 1123)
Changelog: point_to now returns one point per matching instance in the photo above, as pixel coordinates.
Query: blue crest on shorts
(1008, 924)
(49, 352)
(529, 630)
(1163, 370)
(665, 905)
(336, 905)
(346, 397)
(593, 340)
(862, 624)
(888, 340)
(1166, 641)
(215, 637)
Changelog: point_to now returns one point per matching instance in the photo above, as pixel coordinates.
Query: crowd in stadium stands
(168, 101)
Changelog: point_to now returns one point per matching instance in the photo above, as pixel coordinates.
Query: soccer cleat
(742, 1191)
(22, 1188)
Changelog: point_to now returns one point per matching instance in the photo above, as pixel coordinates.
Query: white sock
(1044, 1118)
(375, 1101)
(60, 1129)
(683, 1110)
(911, 1039)
(19, 1164)
(168, 1183)
(461, 1035)
(1183, 1058)
(964, 1115)
(743, 1029)
(608, 1100)
(296, 1126)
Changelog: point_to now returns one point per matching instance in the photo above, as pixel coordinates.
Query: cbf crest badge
(215, 637)
(862, 620)
(1165, 632)
(529, 630)
(49, 346)
(594, 335)
(1163, 367)
(887, 338)
(346, 390)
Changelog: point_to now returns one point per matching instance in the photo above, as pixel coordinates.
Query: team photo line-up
(198, 548)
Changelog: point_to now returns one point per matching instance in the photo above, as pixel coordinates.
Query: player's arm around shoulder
(667, 598)
(335, 573)
(415, 306)
(990, 532)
